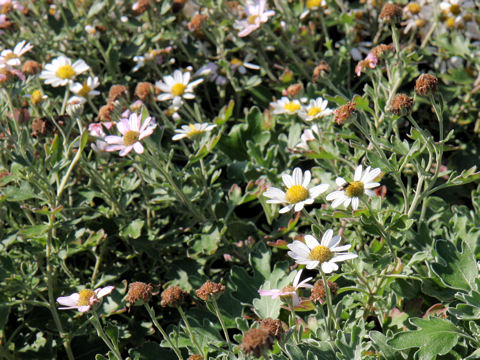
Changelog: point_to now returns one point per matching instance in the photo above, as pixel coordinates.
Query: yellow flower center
(193, 131)
(84, 90)
(320, 253)
(296, 193)
(291, 106)
(313, 111)
(354, 189)
(236, 62)
(252, 19)
(450, 22)
(65, 72)
(420, 22)
(85, 296)
(414, 8)
(467, 17)
(36, 97)
(178, 89)
(130, 137)
(11, 55)
(455, 9)
(311, 4)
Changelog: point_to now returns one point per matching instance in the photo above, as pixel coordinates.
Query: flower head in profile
(10, 57)
(192, 130)
(61, 71)
(350, 192)
(289, 291)
(316, 109)
(133, 130)
(256, 14)
(297, 195)
(177, 86)
(85, 299)
(324, 254)
(286, 106)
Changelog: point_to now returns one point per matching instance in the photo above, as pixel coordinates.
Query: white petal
(285, 209)
(340, 248)
(307, 178)
(299, 206)
(355, 202)
(370, 193)
(312, 264)
(358, 173)
(297, 176)
(371, 185)
(329, 267)
(337, 194)
(334, 242)
(371, 175)
(327, 237)
(317, 190)
(338, 202)
(297, 278)
(340, 181)
(288, 180)
(344, 257)
(101, 292)
(311, 242)
(138, 147)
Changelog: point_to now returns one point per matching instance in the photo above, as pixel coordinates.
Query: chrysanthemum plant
(277, 180)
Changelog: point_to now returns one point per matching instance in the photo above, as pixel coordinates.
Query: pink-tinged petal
(125, 150)
(355, 202)
(327, 236)
(297, 176)
(84, 308)
(285, 209)
(134, 121)
(317, 190)
(123, 126)
(101, 292)
(303, 283)
(344, 257)
(358, 173)
(138, 147)
(114, 139)
(371, 185)
(146, 133)
(111, 148)
(340, 181)
(145, 123)
(311, 242)
(274, 293)
(71, 300)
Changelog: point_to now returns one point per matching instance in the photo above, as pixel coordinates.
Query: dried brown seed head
(274, 327)
(117, 91)
(39, 126)
(195, 25)
(173, 296)
(210, 290)
(139, 292)
(320, 70)
(105, 112)
(293, 90)
(344, 112)
(426, 85)
(140, 6)
(257, 342)
(145, 90)
(195, 357)
(380, 50)
(31, 67)
(318, 291)
(391, 13)
(401, 104)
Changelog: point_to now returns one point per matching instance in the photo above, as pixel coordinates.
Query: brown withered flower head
(320, 70)
(31, 67)
(140, 6)
(178, 5)
(401, 105)
(382, 50)
(195, 25)
(195, 357)
(139, 292)
(145, 90)
(173, 296)
(117, 91)
(344, 112)
(257, 342)
(210, 290)
(391, 13)
(105, 112)
(274, 327)
(39, 127)
(292, 90)
(318, 292)
(426, 85)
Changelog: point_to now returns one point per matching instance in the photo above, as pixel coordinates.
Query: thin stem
(65, 98)
(328, 295)
(151, 312)
(222, 323)
(189, 331)
(96, 323)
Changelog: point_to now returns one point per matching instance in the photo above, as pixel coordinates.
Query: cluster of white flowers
(314, 110)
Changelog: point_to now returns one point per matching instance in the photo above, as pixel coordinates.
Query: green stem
(65, 98)
(189, 331)
(164, 334)
(222, 323)
(293, 319)
(96, 323)
(328, 295)
(381, 228)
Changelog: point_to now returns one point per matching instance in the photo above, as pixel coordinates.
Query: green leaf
(470, 309)
(22, 193)
(435, 337)
(112, 333)
(380, 341)
(456, 269)
(134, 229)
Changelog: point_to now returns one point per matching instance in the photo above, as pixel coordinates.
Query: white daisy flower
(177, 86)
(10, 57)
(307, 135)
(350, 192)
(133, 130)
(62, 72)
(298, 195)
(241, 66)
(316, 109)
(84, 300)
(326, 254)
(256, 14)
(192, 130)
(286, 106)
(87, 88)
(289, 291)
